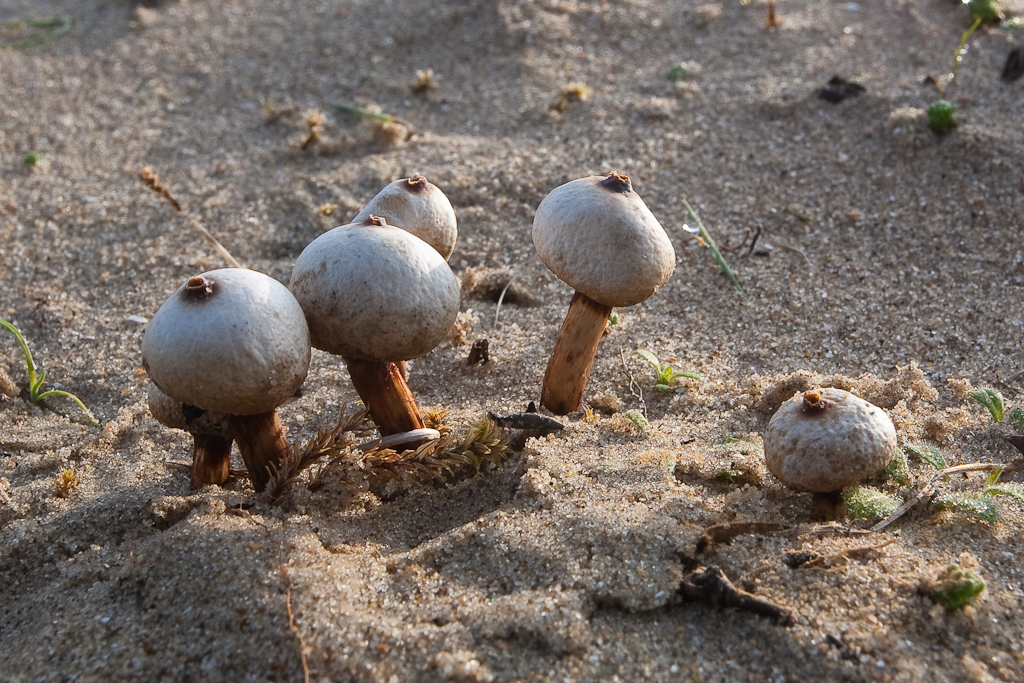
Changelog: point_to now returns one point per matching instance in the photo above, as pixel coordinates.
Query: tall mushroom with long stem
(417, 206)
(231, 342)
(376, 295)
(597, 235)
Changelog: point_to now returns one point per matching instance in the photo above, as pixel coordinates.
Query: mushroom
(376, 295)
(417, 206)
(211, 436)
(233, 342)
(824, 440)
(597, 235)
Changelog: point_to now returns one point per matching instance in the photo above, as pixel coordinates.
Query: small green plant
(1016, 416)
(930, 454)
(866, 502)
(676, 73)
(941, 116)
(35, 381)
(613, 317)
(991, 399)
(638, 420)
(899, 469)
(663, 373)
(981, 504)
(956, 588)
(33, 158)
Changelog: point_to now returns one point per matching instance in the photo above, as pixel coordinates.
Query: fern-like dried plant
(328, 443)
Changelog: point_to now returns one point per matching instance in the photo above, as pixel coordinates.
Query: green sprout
(930, 454)
(676, 73)
(58, 25)
(1016, 416)
(984, 10)
(664, 374)
(866, 502)
(941, 116)
(638, 420)
(991, 399)
(705, 236)
(33, 158)
(613, 317)
(956, 588)
(35, 381)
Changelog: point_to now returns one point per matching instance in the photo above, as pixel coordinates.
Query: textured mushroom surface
(826, 439)
(417, 206)
(375, 293)
(237, 345)
(597, 235)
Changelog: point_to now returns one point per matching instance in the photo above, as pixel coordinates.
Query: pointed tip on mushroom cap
(826, 439)
(375, 295)
(420, 207)
(597, 235)
(233, 341)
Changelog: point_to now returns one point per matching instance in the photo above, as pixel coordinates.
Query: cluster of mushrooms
(230, 346)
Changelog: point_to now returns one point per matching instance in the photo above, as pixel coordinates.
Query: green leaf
(993, 477)
(969, 504)
(991, 399)
(688, 374)
(1016, 416)
(1011, 489)
(649, 357)
(930, 454)
(662, 387)
(866, 502)
(899, 469)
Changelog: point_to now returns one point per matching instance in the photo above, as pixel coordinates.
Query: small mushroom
(597, 235)
(231, 342)
(824, 440)
(376, 295)
(211, 436)
(417, 206)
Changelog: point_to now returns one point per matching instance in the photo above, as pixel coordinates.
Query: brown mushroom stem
(569, 365)
(384, 391)
(827, 507)
(261, 441)
(211, 459)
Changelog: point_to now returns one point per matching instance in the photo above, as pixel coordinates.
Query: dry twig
(711, 585)
(149, 177)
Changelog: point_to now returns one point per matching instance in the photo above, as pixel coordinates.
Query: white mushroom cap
(826, 439)
(417, 206)
(597, 235)
(232, 341)
(373, 292)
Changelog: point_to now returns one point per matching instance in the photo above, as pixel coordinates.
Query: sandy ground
(889, 260)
